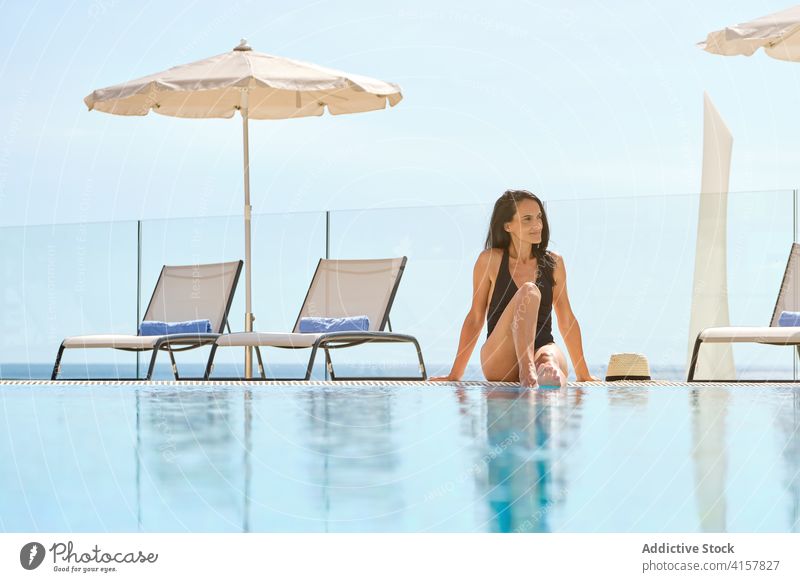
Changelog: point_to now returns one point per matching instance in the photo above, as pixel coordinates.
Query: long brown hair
(504, 210)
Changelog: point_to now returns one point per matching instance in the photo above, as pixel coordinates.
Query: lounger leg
(260, 363)
(311, 361)
(693, 362)
(422, 369)
(210, 363)
(57, 365)
(329, 363)
(152, 363)
(174, 363)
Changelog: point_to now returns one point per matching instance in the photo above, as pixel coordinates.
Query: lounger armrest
(352, 338)
(762, 335)
(363, 334)
(188, 338)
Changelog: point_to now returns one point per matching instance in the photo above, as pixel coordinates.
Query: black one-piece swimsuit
(504, 290)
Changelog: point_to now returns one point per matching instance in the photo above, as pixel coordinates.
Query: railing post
(327, 234)
(138, 285)
(327, 256)
(795, 352)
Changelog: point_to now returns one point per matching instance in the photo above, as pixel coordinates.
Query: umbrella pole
(248, 316)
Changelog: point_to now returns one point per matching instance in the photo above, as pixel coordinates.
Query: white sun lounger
(339, 288)
(182, 293)
(788, 300)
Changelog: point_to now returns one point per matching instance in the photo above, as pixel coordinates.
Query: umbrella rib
(250, 67)
(784, 38)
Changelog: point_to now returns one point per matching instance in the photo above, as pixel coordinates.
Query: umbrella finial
(242, 46)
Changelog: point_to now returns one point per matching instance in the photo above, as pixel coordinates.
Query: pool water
(399, 458)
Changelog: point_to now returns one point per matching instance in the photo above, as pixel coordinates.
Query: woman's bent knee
(528, 294)
(529, 289)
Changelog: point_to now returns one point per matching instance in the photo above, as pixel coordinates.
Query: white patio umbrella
(778, 34)
(258, 86)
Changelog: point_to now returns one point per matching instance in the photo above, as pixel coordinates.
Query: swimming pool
(406, 457)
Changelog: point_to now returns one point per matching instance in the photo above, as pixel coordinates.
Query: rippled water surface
(400, 458)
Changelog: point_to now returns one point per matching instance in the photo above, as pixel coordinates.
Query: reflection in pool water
(405, 458)
(526, 434)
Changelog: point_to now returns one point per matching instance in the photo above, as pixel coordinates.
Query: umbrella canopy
(258, 86)
(778, 34)
(277, 88)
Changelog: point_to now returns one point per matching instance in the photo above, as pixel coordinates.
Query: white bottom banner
(387, 557)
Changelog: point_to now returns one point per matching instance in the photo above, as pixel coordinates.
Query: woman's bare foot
(551, 375)
(529, 379)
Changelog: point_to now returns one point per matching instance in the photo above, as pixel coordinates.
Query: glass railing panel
(285, 252)
(66, 280)
(629, 265)
(760, 236)
(188, 241)
(435, 293)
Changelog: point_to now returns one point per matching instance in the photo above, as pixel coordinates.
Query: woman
(516, 283)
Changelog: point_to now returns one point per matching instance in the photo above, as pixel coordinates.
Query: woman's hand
(449, 378)
(588, 378)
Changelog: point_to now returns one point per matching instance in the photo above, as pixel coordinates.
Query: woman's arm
(567, 322)
(473, 323)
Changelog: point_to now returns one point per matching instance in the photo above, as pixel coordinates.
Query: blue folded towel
(328, 324)
(170, 328)
(789, 319)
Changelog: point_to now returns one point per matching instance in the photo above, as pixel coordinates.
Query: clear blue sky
(569, 99)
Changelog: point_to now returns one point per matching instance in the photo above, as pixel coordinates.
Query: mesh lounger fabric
(348, 288)
(193, 292)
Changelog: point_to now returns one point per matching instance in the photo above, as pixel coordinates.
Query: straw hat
(627, 366)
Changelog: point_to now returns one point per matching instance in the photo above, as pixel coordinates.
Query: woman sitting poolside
(518, 282)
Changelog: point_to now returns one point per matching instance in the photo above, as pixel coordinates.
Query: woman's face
(526, 225)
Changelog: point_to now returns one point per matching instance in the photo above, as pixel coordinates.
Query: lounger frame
(169, 343)
(696, 352)
(337, 340)
(790, 336)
